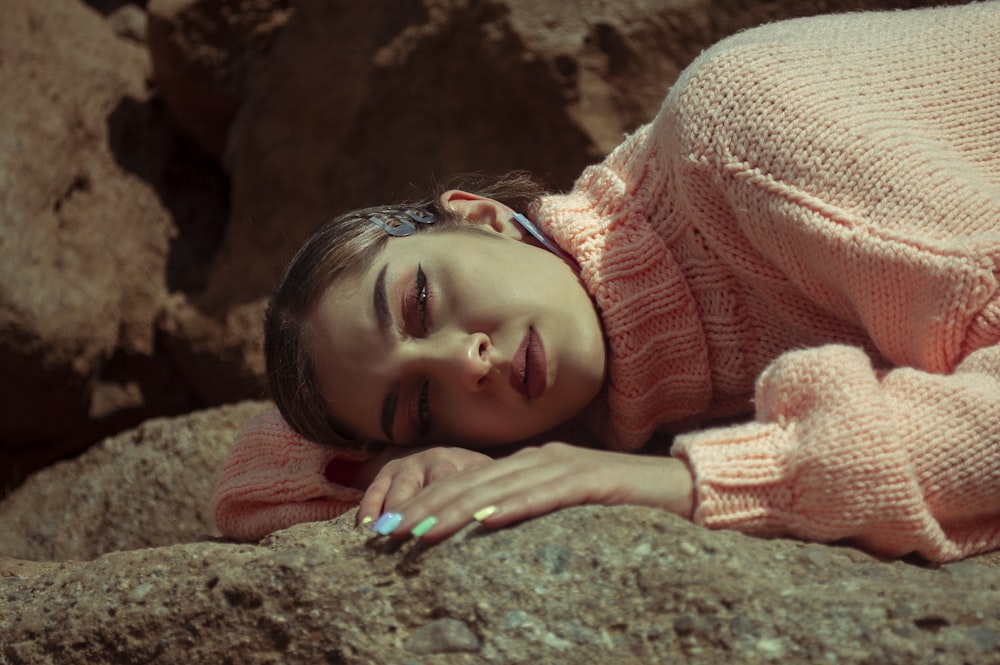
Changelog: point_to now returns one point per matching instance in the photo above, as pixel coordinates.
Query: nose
(472, 361)
(464, 358)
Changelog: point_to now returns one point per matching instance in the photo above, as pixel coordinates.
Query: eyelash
(420, 296)
(423, 415)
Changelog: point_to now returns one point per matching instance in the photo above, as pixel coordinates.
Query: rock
(95, 206)
(623, 592)
(221, 356)
(202, 50)
(129, 21)
(442, 636)
(127, 567)
(146, 487)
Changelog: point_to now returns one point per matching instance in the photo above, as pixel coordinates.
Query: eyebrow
(381, 303)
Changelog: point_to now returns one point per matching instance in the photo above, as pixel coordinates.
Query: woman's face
(469, 337)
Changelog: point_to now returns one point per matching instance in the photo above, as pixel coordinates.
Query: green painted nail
(424, 526)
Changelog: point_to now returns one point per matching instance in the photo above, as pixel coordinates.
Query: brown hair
(348, 244)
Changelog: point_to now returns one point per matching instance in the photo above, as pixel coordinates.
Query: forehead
(343, 312)
(343, 335)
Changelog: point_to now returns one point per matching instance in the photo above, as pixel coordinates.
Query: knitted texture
(906, 461)
(273, 478)
(830, 180)
(815, 206)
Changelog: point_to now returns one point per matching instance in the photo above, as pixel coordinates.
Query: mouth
(528, 367)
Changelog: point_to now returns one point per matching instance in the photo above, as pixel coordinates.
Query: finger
(430, 499)
(527, 495)
(520, 493)
(447, 489)
(535, 501)
(373, 502)
(389, 488)
(404, 486)
(393, 486)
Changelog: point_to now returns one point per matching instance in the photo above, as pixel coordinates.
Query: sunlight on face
(465, 337)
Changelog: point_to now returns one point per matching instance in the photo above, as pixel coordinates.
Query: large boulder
(103, 211)
(584, 585)
(113, 558)
(145, 487)
(203, 52)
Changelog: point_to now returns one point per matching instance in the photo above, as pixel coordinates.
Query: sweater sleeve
(896, 462)
(274, 478)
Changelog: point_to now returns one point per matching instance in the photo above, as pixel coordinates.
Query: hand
(402, 472)
(535, 481)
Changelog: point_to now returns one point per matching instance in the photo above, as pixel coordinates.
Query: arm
(273, 478)
(845, 228)
(905, 461)
(868, 196)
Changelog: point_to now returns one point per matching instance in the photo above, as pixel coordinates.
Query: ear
(489, 213)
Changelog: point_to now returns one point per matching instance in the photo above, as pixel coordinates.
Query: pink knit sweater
(808, 228)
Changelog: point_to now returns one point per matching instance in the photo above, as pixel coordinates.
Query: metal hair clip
(398, 222)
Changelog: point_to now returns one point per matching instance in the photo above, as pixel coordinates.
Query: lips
(528, 366)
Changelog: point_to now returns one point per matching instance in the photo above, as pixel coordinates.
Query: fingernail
(484, 513)
(387, 523)
(366, 520)
(426, 525)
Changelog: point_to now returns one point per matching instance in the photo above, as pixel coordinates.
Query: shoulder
(775, 86)
(808, 64)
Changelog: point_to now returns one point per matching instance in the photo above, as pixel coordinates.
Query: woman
(806, 232)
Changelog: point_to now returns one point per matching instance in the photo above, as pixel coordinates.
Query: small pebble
(557, 642)
(140, 592)
(772, 646)
(443, 636)
(514, 618)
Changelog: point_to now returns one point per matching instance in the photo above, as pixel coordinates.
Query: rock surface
(586, 585)
(202, 54)
(145, 487)
(127, 567)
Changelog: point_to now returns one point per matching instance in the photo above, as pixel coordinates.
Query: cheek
(483, 422)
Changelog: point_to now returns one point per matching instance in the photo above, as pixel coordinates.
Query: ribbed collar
(658, 363)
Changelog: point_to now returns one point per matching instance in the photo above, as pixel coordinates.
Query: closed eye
(416, 305)
(418, 322)
(419, 410)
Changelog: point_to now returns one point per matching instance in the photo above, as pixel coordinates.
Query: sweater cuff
(740, 477)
